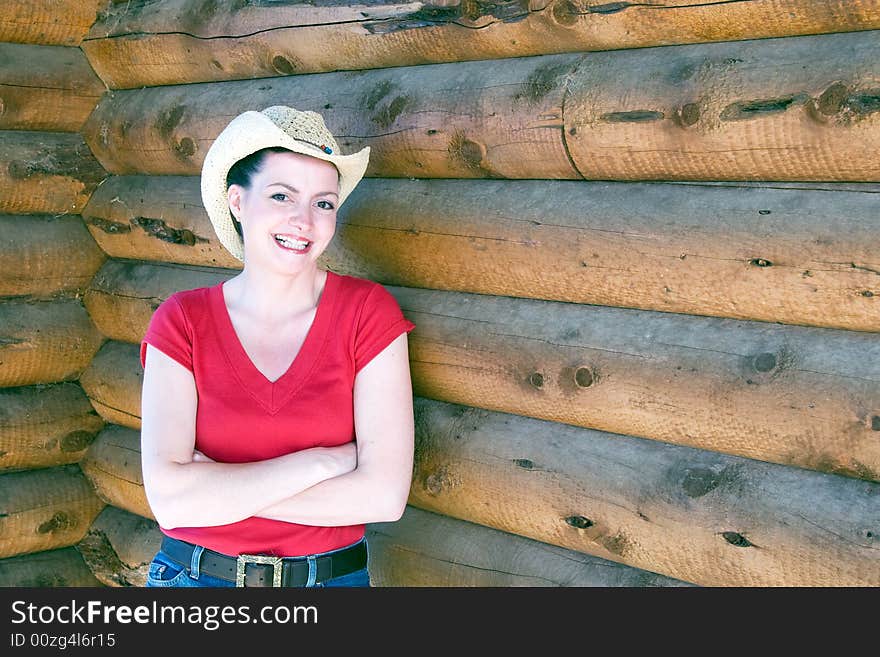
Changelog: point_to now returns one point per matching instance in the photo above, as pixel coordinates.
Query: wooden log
(801, 396)
(694, 515)
(42, 256)
(113, 465)
(46, 172)
(124, 294)
(46, 88)
(795, 253)
(501, 121)
(184, 41)
(45, 509)
(803, 108)
(45, 341)
(113, 385)
(42, 426)
(58, 22)
(63, 567)
(428, 549)
(119, 547)
(157, 218)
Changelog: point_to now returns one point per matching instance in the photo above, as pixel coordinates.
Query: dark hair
(243, 171)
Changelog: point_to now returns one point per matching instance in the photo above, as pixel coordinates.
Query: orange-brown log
(801, 396)
(46, 172)
(796, 253)
(184, 41)
(463, 120)
(43, 256)
(695, 515)
(429, 549)
(113, 465)
(112, 382)
(46, 88)
(45, 341)
(45, 509)
(63, 567)
(802, 108)
(158, 218)
(124, 294)
(119, 547)
(42, 426)
(54, 22)
(720, 111)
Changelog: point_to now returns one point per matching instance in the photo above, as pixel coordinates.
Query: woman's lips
(281, 244)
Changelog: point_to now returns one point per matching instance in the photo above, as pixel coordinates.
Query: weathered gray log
(46, 88)
(41, 255)
(796, 253)
(62, 567)
(803, 108)
(694, 515)
(463, 120)
(59, 22)
(45, 341)
(113, 465)
(113, 383)
(428, 549)
(119, 547)
(155, 218)
(123, 295)
(719, 111)
(802, 396)
(46, 172)
(178, 41)
(45, 509)
(42, 426)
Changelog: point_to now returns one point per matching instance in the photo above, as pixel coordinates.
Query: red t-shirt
(243, 417)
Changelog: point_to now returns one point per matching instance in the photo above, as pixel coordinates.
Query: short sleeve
(380, 322)
(169, 331)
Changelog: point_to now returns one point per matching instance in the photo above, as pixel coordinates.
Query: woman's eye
(279, 196)
(327, 205)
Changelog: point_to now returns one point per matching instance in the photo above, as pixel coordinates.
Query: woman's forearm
(355, 498)
(202, 494)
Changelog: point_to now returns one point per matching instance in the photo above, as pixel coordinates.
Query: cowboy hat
(280, 126)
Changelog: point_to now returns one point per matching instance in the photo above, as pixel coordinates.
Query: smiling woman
(277, 406)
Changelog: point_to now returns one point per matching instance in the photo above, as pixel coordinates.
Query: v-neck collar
(272, 395)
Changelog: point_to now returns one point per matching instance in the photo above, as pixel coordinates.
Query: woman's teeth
(298, 245)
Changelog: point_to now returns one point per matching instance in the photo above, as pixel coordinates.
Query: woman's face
(288, 214)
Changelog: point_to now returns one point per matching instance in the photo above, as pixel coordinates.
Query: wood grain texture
(800, 396)
(49, 88)
(113, 466)
(45, 341)
(429, 549)
(803, 108)
(463, 120)
(123, 295)
(43, 256)
(45, 172)
(52, 22)
(63, 567)
(184, 41)
(698, 516)
(112, 382)
(43, 426)
(45, 509)
(119, 547)
(796, 253)
(156, 218)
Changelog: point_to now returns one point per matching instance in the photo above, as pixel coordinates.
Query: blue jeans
(166, 573)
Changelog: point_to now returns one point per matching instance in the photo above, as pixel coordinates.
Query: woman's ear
(233, 197)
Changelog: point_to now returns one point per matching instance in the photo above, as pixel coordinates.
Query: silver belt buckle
(244, 559)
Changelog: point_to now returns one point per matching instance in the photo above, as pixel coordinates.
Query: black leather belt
(261, 570)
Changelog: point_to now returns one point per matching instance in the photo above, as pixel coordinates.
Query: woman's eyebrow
(296, 191)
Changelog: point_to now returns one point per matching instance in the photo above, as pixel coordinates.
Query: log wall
(638, 242)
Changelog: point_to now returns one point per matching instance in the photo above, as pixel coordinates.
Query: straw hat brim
(248, 133)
